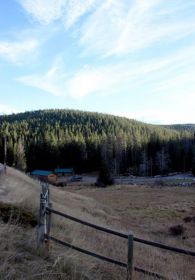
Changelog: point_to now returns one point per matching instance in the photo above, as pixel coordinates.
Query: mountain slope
(79, 121)
(50, 138)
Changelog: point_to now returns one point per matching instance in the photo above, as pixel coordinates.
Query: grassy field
(151, 213)
(148, 212)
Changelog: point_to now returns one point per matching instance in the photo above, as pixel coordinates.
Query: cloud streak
(114, 27)
(48, 11)
(17, 52)
(44, 11)
(53, 81)
(158, 75)
(85, 82)
(117, 28)
(76, 9)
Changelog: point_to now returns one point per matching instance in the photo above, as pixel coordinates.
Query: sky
(132, 58)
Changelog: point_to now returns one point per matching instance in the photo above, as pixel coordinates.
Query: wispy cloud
(76, 9)
(113, 27)
(53, 81)
(48, 11)
(121, 27)
(159, 75)
(85, 82)
(79, 84)
(17, 51)
(56, 81)
(44, 11)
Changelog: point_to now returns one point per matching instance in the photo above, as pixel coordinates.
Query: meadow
(149, 212)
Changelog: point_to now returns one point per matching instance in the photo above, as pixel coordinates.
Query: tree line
(47, 139)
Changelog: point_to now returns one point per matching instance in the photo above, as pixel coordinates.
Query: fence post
(42, 227)
(47, 217)
(5, 153)
(130, 258)
(48, 226)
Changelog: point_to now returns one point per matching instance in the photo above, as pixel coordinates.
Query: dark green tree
(104, 176)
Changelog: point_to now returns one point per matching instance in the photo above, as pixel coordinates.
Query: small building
(64, 171)
(42, 174)
(52, 178)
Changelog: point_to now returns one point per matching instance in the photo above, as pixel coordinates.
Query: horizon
(104, 113)
(131, 58)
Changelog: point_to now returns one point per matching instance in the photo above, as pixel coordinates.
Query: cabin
(43, 175)
(52, 178)
(64, 172)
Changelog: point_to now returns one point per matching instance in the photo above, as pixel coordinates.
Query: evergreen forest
(47, 139)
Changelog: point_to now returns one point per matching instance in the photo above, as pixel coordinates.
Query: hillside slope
(19, 257)
(85, 141)
(149, 212)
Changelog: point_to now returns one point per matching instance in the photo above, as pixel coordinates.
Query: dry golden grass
(19, 258)
(147, 212)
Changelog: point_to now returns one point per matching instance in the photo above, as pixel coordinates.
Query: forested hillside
(66, 138)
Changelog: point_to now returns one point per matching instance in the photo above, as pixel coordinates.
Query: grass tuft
(177, 230)
(11, 213)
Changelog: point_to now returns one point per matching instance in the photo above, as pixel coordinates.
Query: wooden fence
(45, 237)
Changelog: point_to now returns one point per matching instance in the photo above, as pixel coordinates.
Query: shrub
(160, 182)
(189, 219)
(12, 213)
(104, 177)
(177, 230)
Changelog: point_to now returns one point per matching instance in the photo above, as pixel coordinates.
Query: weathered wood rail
(45, 237)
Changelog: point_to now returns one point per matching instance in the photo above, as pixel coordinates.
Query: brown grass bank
(147, 212)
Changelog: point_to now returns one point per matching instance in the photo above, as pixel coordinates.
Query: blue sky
(133, 58)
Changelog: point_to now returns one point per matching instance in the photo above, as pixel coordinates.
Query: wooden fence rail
(122, 235)
(44, 236)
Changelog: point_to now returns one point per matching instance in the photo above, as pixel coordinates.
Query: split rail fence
(44, 237)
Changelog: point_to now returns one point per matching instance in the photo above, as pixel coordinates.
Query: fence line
(136, 239)
(87, 223)
(44, 236)
(166, 247)
(121, 264)
(86, 251)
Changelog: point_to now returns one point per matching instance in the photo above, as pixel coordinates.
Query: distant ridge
(188, 127)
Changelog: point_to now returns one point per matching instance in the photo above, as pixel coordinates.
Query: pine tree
(104, 177)
(20, 159)
(162, 161)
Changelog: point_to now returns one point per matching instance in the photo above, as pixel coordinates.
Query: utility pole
(151, 163)
(5, 153)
